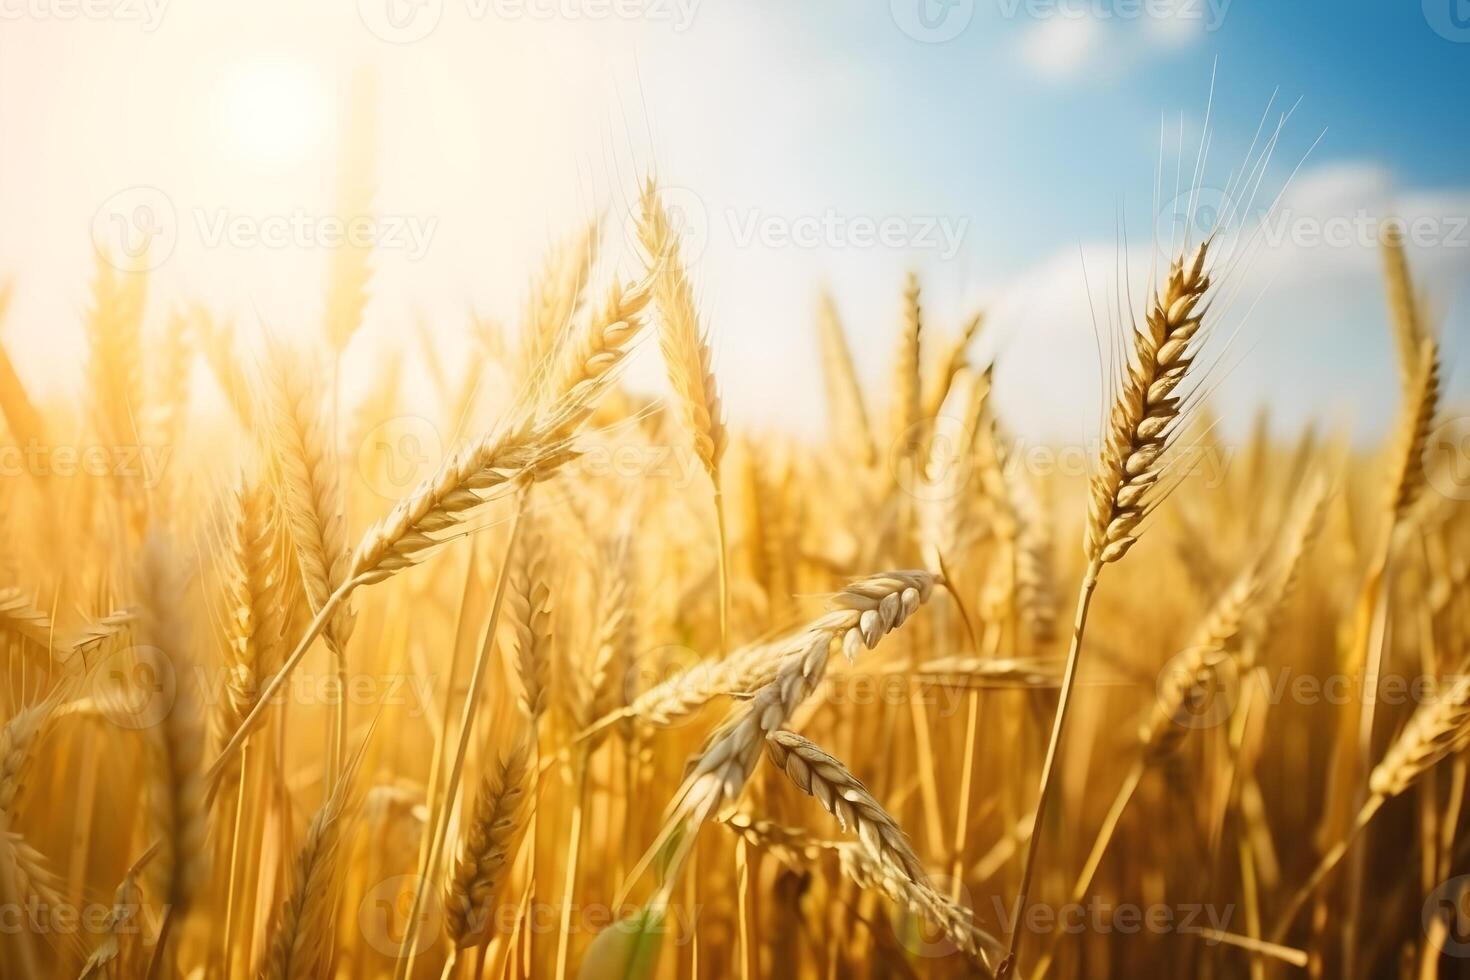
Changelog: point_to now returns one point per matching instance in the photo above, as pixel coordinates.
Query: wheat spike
(305, 467)
(846, 412)
(300, 939)
(482, 866)
(683, 341)
(1142, 423)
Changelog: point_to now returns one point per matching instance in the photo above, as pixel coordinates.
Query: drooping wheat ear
(791, 845)
(824, 777)
(254, 606)
(555, 298)
(348, 266)
(482, 866)
(683, 341)
(1141, 426)
(18, 615)
(305, 469)
(301, 935)
(528, 614)
(1436, 731)
(176, 796)
(955, 360)
(869, 872)
(1421, 401)
(908, 404)
(741, 671)
(1409, 333)
(846, 412)
(865, 612)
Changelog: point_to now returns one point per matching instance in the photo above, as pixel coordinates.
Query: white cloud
(1059, 48)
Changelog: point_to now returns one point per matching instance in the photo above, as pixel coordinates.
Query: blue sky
(1001, 158)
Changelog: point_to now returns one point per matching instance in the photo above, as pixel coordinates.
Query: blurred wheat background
(507, 642)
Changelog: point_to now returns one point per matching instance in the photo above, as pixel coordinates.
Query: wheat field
(624, 689)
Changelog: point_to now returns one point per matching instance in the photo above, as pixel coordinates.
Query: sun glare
(274, 112)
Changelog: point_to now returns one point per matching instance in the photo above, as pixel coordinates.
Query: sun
(274, 111)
